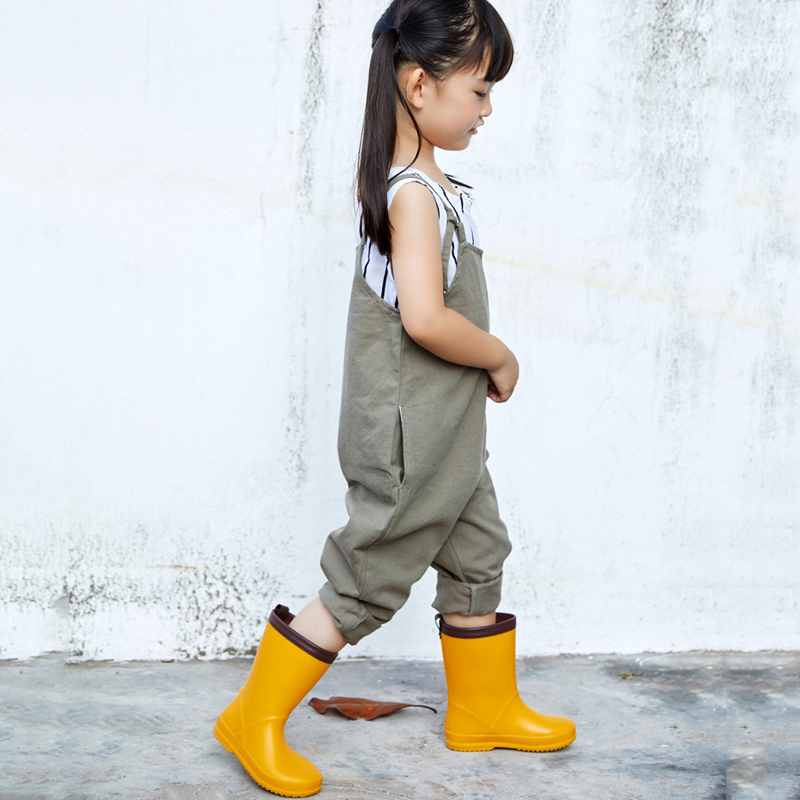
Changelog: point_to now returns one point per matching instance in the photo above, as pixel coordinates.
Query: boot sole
(482, 744)
(225, 738)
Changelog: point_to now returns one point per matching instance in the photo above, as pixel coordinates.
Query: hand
(503, 380)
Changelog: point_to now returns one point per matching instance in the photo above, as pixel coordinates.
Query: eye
(481, 94)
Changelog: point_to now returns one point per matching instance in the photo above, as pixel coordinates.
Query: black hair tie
(387, 23)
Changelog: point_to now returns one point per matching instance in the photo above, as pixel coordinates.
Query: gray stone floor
(711, 726)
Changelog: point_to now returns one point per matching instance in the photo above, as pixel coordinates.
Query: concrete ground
(692, 725)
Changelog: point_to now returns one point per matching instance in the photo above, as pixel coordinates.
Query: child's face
(452, 110)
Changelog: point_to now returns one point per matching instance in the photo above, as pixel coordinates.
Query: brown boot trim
(280, 619)
(504, 624)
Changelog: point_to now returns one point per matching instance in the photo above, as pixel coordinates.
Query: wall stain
(775, 388)
(217, 610)
(312, 99)
(762, 80)
(725, 315)
(675, 96)
(545, 35)
(296, 438)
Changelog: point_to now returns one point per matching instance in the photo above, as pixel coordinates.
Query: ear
(414, 85)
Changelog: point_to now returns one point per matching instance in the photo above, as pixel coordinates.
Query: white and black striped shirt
(377, 269)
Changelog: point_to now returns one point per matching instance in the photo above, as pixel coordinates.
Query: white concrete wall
(176, 256)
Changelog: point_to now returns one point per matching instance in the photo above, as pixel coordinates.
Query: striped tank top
(377, 269)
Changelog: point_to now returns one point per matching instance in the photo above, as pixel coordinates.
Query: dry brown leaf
(359, 708)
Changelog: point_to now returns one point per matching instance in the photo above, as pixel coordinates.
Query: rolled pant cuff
(352, 619)
(467, 599)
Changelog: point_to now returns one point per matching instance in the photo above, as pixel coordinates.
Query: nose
(486, 110)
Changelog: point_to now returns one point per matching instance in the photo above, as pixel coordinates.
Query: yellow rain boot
(484, 709)
(287, 666)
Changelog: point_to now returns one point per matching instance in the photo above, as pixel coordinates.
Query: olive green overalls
(412, 446)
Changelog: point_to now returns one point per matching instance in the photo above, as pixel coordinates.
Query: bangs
(491, 47)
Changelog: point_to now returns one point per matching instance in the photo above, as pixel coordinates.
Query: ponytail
(378, 139)
(441, 36)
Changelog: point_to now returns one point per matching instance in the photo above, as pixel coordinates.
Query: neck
(406, 147)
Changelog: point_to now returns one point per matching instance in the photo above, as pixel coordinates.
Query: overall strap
(453, 222)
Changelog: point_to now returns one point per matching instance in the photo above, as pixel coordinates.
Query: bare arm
(417, 269)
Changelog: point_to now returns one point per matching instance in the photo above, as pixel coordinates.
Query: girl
(419, 364)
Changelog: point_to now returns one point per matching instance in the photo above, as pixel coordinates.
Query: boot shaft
(286, 667)
(480, 663)
(484, 709)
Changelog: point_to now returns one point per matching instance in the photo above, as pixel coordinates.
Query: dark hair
(442, 37)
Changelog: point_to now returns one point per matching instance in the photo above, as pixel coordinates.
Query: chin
(459, 144)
